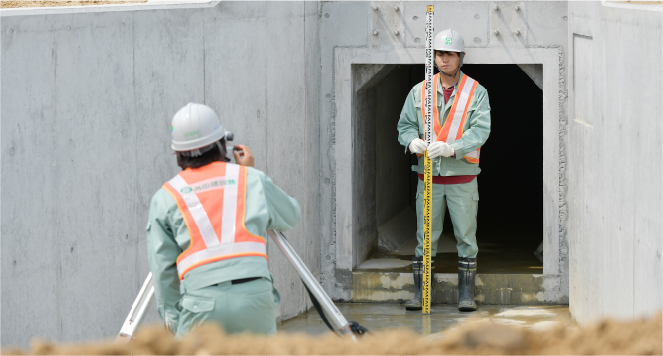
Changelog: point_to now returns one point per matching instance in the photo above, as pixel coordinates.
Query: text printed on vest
(197, 194)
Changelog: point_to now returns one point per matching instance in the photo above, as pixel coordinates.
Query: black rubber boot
(467, 272)
(417, 273)
(432, 279)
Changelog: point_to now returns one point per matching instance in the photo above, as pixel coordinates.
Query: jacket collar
(453, 94)
(439, 84)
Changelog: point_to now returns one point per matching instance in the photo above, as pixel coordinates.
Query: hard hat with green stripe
(195, 128)
(450, 41)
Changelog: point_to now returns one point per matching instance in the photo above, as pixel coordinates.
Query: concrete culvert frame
(368, 86)
(511, 214)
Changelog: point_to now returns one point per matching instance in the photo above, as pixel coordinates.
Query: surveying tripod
(321, 301)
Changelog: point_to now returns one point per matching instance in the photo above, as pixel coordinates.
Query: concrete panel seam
(137, 278)
(58, 263)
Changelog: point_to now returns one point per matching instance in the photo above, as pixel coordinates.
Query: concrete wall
(381, 183)
(393, 166)
(363, 222)
(614, 227)
(357, 34)
(87, 96)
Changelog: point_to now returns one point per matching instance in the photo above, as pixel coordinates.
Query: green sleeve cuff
(408, 126)
(409, 138)
(459, 154)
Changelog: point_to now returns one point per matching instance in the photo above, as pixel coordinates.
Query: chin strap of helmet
(449, 75)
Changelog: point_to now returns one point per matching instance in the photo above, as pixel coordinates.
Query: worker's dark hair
(457, 53)
(213, 155)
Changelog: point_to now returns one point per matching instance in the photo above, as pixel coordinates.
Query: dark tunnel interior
(510, 216)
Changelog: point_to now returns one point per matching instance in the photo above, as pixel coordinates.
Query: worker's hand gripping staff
(418, 146)
(436, 149)
(440, 148)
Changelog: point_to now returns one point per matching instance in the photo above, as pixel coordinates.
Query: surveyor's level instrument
(323, 304)
(137, 312)
(428, 165)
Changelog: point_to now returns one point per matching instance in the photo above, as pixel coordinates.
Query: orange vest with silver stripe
(212, 200)
(453, 127)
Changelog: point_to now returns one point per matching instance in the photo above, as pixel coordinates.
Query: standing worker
(206, 232)
(461, 115)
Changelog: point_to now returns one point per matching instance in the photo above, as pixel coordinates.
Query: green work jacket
(267, 207)
(475, 134)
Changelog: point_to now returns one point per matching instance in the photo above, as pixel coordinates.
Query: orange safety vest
(455, 123)
(212, 200)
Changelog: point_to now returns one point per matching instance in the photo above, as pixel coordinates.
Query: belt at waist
(450, 179)
(241, 280)
(244, 280)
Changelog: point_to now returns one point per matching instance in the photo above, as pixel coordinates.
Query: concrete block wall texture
(357, 34)
(614, 227)
(87, 96)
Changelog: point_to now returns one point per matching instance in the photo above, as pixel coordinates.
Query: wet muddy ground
(442, 318)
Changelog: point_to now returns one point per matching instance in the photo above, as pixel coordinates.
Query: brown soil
(5, 4)
(640, 337)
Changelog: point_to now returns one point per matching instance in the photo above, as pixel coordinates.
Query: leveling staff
(461, 115)
(207, 229)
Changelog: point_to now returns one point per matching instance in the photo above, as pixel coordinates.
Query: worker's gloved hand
(243, 155)
(440, 148)
(417, 146)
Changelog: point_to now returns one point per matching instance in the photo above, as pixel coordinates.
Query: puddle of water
(442, 319)
(501, 321)
(384, 263)
(545, 325)
(526, 313)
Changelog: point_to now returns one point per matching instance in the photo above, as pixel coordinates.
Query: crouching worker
(206, 232)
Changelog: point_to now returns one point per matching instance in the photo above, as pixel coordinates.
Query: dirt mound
(641, 337)
(6, 4)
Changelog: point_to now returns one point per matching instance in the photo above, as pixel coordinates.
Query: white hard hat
(195, 126)
(450, 41)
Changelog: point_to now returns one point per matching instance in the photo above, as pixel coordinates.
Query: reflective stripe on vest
(455, 122)
(212, 200)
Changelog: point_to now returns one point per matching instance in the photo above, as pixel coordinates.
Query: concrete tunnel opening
(510, 217)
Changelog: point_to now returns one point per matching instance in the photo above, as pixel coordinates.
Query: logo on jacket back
(208, 184)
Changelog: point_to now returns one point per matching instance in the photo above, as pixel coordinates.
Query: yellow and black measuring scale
(428, 164)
